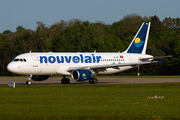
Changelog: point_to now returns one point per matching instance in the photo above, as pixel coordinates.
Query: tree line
(83, 36)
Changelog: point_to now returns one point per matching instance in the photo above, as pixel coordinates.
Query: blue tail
(139, 43)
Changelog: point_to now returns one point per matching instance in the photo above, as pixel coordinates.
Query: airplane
(82, 66)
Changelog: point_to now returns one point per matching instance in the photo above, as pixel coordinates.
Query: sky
(26, 12)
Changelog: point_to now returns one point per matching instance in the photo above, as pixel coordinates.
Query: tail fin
(139, 43)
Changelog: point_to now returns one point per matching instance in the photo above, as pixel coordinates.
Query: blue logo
(69, 59)
(84, 76)
(138, 42)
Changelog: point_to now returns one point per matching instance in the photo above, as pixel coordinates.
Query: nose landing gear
(28, 82)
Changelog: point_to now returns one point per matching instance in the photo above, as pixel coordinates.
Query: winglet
(139, 43)
(160, 61)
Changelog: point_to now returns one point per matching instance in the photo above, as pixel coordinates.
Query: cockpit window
(15, 60)
(20, 60)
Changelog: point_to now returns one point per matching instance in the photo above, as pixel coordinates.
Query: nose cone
(14, 68)
(10, 67)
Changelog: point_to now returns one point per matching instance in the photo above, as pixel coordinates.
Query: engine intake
(81, 75)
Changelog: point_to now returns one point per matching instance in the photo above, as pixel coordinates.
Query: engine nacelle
(39, 77)
(81, 75)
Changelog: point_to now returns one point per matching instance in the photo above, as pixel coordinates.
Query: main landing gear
(93, 81)
(65, 80)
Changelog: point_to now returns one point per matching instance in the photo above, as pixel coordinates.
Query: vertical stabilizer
(139, 42)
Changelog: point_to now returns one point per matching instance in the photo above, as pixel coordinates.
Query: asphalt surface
(57, 80)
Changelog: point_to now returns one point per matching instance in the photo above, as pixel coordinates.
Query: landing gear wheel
(93, 81)
(28, 82)
(65, 81)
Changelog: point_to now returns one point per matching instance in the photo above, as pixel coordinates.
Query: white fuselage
(58, 63)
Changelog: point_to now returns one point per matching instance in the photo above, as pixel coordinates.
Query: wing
(97, 68)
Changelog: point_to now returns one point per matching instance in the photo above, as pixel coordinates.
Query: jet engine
(39, 77)
(81, 74)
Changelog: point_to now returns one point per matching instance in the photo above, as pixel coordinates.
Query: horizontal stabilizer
(159, 57)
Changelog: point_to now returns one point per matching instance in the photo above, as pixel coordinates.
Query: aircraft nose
(15, 68)
(10, 67)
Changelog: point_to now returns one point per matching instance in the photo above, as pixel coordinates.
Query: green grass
(86, 102)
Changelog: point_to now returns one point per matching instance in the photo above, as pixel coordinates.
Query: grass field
(86, 101)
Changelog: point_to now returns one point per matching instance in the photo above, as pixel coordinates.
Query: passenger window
(21, 60)
(24, 60)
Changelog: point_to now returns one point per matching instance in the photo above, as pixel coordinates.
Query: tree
(7, 32)
(172, 23)
(83, 36)
(19, 28)
(156, 25)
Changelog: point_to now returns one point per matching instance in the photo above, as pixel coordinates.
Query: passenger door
(35, 60)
